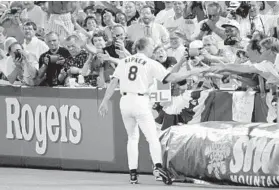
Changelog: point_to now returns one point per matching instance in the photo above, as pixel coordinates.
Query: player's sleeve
(119, 71)
(159, 72)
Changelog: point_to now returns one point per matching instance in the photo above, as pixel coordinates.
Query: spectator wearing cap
(33, 13)
(131, 13)
(164, 14)
(31, 42)
(176, 48)
(148, 28)
(20, 65)
(11, 21)
(233, 42)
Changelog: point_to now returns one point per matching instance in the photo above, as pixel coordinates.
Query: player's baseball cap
(196, 44)
(233, 23)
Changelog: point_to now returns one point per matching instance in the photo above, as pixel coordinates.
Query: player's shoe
(133, 177)
(161, 173)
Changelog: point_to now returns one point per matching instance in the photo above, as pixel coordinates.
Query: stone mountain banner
(226, 152)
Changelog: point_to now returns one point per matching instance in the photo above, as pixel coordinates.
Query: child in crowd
(93, 67)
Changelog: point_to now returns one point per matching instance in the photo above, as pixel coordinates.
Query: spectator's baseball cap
(196, 44)
(7, 44)
(233, 23)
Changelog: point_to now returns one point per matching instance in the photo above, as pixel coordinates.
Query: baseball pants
(136, 113)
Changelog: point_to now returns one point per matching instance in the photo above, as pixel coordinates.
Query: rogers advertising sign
(43, 123)
(55, 123)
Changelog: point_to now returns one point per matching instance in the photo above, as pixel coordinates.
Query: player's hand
(103, 109)
(216, 69)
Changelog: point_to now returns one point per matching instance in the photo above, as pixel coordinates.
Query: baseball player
(136, 74)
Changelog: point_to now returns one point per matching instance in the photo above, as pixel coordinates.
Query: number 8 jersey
(136, 73)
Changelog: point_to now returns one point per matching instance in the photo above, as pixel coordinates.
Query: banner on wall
(56, 124)
(160, 92)
(245, 154)
(195, 106)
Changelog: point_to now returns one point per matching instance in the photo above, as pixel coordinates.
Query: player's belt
(125, 93)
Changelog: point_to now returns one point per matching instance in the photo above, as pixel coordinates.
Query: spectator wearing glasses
(148, 28)
(120, 47)
(212, 25)
(176, 48)
(31, 42)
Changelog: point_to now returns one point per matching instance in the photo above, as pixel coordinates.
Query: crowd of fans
(53, 43)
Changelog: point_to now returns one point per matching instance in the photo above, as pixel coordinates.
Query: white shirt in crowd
(36, 46)
(8, 66)
(36, 15)
(159, 33)
(177, 53)
(136, 73)
(220, 41)
(186, 27)
(163, 15)
(263, 23)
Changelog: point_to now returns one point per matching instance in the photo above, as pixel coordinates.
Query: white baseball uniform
(136, 74)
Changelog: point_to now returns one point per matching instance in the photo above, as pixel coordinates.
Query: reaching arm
(177, 77)
(13, 76)
(241, 69)
(110, 90)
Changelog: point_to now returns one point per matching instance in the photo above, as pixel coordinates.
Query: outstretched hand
(103, 109)
(103, 56)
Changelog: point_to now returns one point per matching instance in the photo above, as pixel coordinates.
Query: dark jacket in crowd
(53, 69)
